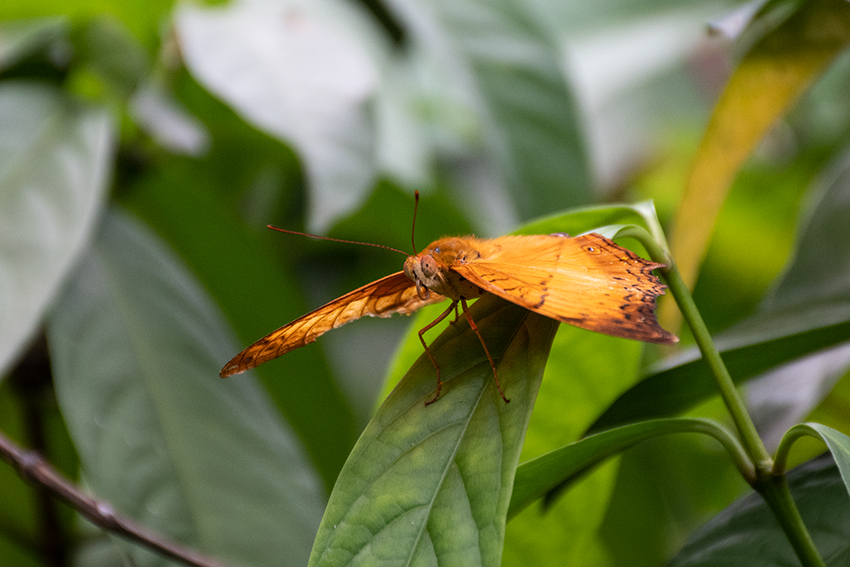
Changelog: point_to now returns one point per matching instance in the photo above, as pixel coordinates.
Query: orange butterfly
(587, 281)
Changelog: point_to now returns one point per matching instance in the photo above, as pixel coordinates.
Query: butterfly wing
(587, 281)
(393, 294)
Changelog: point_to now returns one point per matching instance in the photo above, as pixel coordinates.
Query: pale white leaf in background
(611, 67)
(167, 122)
(783, 397)
(301, 72)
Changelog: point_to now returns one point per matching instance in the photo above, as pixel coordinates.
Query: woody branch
(34, 468)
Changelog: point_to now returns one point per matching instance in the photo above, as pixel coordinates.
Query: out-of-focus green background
(145, 146)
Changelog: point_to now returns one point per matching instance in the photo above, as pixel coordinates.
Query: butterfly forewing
(395, 293)
(587, 281)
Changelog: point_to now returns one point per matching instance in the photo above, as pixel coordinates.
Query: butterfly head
(424, 271)
(431, 269)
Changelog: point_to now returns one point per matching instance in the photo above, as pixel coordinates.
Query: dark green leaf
(680, 387)
(54, 170)
(821, 262)
(432, 483)
(747, 533)
(136, 348)
(108, 50)
(509, 62)
(18, 39)
(585, 372)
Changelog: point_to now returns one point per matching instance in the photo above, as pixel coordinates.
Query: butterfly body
(587, 281)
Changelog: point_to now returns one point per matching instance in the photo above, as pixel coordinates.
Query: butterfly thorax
(431, 268)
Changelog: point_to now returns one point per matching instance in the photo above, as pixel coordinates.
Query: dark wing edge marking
(485, 275)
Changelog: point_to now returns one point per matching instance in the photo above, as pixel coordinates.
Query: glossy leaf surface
(746, 533)
(431, 484)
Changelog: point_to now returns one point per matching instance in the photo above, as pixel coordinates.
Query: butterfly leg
(486, 350)
(422, 331)
(457, 315)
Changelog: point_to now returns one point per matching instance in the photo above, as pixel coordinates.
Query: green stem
(724, 437)
(781, 461)
(774, 490)
(772, 487)
(746, 428)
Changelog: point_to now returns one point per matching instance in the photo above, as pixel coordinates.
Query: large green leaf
(54, 168)
(136, 348)
(585, 373)
(303, 72)
(821, 262)
(431, 484)
(747, 533)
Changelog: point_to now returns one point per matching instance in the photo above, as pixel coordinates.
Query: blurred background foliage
(144, 146)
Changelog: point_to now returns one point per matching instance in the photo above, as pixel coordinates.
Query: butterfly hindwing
(587, 281)
(395, 293)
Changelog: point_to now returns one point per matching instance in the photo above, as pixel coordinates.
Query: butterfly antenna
(335, 239)
(413, 228)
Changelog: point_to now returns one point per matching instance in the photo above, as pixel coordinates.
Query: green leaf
(303, 72)
(837, 442)
(529, 128)
(818, 271)
(682, 386)
(107, 50)
(258, 296)
(747, 534)
(839, 446)
(585, 373)
(55, 163)
(143, 17)
(553, 471)
(19, 39)
(773, 73)
(136, 348)
(431, 484)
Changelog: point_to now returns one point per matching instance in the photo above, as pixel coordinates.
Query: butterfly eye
(428, 265)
